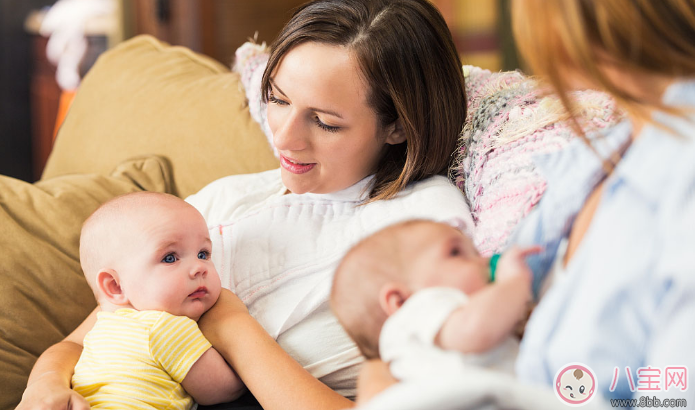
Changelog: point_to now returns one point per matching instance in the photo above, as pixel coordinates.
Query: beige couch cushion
(145, 97)
(44, 295)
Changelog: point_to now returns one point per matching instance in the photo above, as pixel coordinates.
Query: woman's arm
(375, 377)
(276, 380)
(49, 382)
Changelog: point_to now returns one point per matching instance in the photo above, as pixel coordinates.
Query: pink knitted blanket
(509, 121)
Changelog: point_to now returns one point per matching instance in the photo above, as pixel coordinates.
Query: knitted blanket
(510, 119)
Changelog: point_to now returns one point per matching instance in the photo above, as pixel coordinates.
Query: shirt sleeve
(416, 324)
(176, 343)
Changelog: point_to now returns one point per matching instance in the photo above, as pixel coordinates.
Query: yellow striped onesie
(137, 360)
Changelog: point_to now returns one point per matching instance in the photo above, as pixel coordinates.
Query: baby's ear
(392, 296)
(109, 287)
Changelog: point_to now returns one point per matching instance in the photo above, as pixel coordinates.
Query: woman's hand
(49, 382)
(49, 391)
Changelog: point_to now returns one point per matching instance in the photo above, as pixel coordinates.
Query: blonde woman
(618, 218)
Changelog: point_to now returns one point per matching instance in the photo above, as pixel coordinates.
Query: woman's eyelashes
(330, 128)
(325, 126)
(274, 100)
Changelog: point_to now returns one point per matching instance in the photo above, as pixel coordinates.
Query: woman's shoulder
(432, 190)
(227, 196)
(434, 198)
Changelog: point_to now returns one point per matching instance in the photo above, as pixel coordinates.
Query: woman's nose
(289, 133)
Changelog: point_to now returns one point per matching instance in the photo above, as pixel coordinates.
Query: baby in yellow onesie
(147, 258)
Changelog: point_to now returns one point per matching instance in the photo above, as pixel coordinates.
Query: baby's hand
(512, 264)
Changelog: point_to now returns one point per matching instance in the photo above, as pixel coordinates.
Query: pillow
(44, 295)
(249, 61)
(145, 97)
(509, 122)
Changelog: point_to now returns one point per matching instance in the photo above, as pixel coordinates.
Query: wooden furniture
(212, 27)
(45, 96)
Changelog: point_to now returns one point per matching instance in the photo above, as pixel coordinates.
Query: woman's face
(327, 135)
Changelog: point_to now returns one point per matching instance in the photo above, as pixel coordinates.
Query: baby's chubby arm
(491, 313)
(211, 381)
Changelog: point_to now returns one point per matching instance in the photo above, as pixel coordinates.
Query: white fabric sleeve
(416, 324)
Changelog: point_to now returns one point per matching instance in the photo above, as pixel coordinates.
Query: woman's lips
(294, 166)
(199, 293)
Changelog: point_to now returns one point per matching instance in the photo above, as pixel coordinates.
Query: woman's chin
(294, 183)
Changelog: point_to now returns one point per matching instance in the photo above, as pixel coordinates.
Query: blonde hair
(653, 37)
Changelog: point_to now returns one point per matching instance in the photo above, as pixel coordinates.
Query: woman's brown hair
(560, 39)
(413, 71)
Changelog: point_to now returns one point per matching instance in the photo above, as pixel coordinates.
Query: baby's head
(381, 272)
(149, 251)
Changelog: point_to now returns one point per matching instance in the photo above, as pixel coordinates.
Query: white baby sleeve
(407, 337)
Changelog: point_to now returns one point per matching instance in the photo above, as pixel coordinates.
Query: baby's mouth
(572, 395)
(199, 293)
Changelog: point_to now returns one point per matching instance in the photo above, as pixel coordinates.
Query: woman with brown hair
(366, 101)
(617, 218)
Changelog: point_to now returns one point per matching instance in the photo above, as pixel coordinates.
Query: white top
(407, 339)
(278, 253)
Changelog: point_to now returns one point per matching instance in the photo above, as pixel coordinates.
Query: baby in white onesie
(418, 296)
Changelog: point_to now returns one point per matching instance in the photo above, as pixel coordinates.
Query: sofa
(149, 116)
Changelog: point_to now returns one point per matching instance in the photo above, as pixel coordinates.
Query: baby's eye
(169, 258)
(455, 251)
(203, 255)
(568, 387)
(581, 389)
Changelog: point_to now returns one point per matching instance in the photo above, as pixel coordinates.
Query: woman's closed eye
(325, 126)
(274, 100)
(170, 258)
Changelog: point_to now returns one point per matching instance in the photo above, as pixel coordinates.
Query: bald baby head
(116, 224)
(366, 268)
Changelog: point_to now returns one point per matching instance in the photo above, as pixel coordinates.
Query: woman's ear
(392, 296)
(394, 133)
(110, 287)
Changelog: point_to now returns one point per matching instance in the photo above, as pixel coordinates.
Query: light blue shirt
(627, 298)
